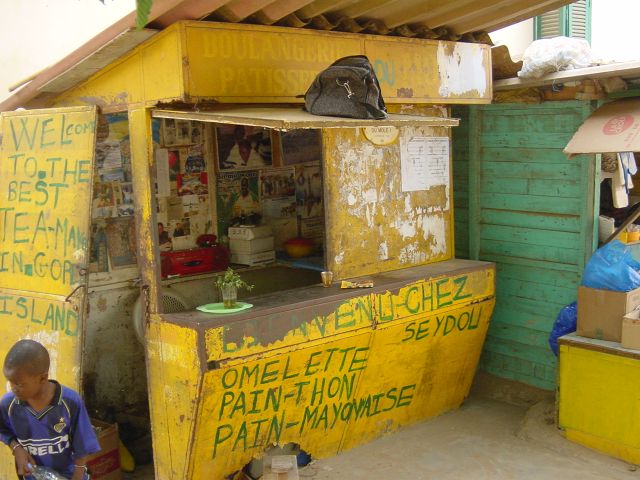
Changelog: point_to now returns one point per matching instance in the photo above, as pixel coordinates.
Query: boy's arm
(84, 440)
(23, 458)
(6, 432)
(8, 436)
(80, 468)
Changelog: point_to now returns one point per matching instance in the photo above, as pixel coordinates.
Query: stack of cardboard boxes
(251, 245)
(609, 315)
(105, 465)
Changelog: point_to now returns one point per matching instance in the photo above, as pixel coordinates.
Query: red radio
(196, 260)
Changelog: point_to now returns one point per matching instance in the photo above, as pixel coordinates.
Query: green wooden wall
(460, 152)
(522, 204)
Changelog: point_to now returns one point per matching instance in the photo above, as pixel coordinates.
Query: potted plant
(228, 284)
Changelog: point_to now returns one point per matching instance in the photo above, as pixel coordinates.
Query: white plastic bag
(554, 54)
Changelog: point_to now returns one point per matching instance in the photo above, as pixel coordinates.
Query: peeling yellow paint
(328, 385)
(365, 356)
(151, 72)
(461, 70)
(199, 61)
(174, 375)
(395, 229)
(46, 172)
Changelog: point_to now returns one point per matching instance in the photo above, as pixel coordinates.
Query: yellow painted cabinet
(599, 404)
(329, 372)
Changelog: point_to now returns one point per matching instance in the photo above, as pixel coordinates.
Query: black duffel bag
(348, 88)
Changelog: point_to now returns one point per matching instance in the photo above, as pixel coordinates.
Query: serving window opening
(235, 195)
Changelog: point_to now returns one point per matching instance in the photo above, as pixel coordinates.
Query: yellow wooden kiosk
(88, 181)
(597, 378)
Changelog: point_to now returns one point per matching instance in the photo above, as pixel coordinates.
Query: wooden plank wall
(460, 136)
(530, 210)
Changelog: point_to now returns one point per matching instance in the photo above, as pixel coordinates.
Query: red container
(196, 260)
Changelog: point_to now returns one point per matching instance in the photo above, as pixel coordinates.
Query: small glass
(229, 296)
(327, 278)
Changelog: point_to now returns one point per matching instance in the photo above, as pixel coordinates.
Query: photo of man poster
(237, 199)
(243, 147)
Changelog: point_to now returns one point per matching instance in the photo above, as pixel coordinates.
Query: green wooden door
(530, 210)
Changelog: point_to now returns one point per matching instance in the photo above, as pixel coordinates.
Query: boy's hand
(22, 460)
(78, 473)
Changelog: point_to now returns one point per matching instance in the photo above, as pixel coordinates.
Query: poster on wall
(243, 147)
(173, 158)
(180, 132)
(309, 190)
(237, 199)
(300, 146)
(104, 201)
(98, 255)
(180, 228)
(183, 132)
(183, 192)
(278, 192)
(113, 166)
(277, 182)
(424, 162)
(192, 184)
(194, 159)
(124, 199)
(313, 228)
(163, 181)
(121, 245)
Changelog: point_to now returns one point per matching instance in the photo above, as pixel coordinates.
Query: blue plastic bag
(612, 267)
(565, 323)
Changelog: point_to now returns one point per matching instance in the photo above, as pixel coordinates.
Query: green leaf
(143, 9)
(230, 277)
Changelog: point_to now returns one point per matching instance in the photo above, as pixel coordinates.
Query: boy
(43, 422)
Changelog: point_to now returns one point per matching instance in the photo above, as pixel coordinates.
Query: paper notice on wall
(162, 172)
(424, 162)
(175, 209)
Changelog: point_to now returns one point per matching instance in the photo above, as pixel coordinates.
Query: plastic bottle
(44, 473)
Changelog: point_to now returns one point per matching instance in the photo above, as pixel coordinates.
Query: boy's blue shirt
(55, 436)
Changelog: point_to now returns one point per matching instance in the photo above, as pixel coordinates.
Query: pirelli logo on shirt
(46, 446)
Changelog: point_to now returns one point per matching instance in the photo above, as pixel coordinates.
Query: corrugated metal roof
(442, 19)
(464, 20)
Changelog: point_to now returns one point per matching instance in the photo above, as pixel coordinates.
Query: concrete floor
(484, 439)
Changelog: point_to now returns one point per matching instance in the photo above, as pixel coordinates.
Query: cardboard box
(105, 465)
(280, 467)
(249, 233)
(631, 330)
(255, 245)
(613, 127)
(600, 312)
(253, 258)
